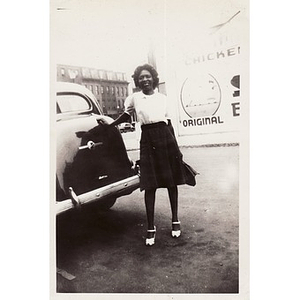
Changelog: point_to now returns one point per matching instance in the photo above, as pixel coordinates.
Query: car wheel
(106, 204)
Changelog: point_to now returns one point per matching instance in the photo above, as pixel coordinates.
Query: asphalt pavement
(105, 252)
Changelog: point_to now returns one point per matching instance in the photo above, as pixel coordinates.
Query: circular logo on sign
(200, 95)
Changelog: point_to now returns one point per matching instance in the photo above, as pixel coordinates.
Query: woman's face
(146, 82)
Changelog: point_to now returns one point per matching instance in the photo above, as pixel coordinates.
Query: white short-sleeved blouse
(149, 108)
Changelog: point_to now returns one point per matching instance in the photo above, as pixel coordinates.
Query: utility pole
(151, 55)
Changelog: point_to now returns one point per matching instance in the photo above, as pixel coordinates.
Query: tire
(93, 209)
(106, 204)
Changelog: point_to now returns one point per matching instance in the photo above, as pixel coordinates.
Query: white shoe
(151, 241)
(176, 233)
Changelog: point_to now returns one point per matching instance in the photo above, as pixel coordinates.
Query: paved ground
(105, 251)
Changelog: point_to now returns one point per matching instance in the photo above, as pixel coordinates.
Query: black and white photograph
(149, 112)
(150, 149)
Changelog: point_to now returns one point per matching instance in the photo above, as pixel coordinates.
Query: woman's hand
(121, 119)
(103, 121)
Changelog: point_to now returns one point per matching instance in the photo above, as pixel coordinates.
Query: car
(126, 127)
(92, 164)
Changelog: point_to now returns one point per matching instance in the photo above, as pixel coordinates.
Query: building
(110, 88)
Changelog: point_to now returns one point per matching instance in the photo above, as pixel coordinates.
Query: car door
(89, 155)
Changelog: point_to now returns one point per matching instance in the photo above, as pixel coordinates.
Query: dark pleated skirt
(160, 158)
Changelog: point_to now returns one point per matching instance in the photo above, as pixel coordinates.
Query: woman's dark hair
(149, 68)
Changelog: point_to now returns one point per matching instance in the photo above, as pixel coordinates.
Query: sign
(208, 77)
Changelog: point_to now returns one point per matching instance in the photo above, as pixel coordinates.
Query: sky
(111, 35)
(116, 34)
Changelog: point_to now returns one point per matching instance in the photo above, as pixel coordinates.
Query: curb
(198, 146)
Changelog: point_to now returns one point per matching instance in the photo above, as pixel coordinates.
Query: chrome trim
(90, 145)
(74, 198)
(116, 189)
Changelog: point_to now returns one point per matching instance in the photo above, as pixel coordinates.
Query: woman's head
(148, 68)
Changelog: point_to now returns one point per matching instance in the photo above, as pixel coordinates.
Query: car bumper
(116, 189)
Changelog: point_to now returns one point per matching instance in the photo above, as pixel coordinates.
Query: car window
(72, 103)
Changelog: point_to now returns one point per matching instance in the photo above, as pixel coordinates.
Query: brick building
(110, 88)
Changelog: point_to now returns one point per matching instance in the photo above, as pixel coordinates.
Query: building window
(62, 70)
(101, 74)
(119, 76)
(97, 90)
(112, 90)
(109, 75)
(73, 73)
(95, 74)
(86, 73)
(107, 90)
(102, 90)
(91, 88)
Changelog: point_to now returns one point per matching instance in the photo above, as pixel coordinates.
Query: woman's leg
(149, 203)
(173, 196)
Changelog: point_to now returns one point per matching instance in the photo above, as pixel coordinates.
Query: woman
(160, 158)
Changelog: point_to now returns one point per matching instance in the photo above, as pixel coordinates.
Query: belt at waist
(153, 125)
